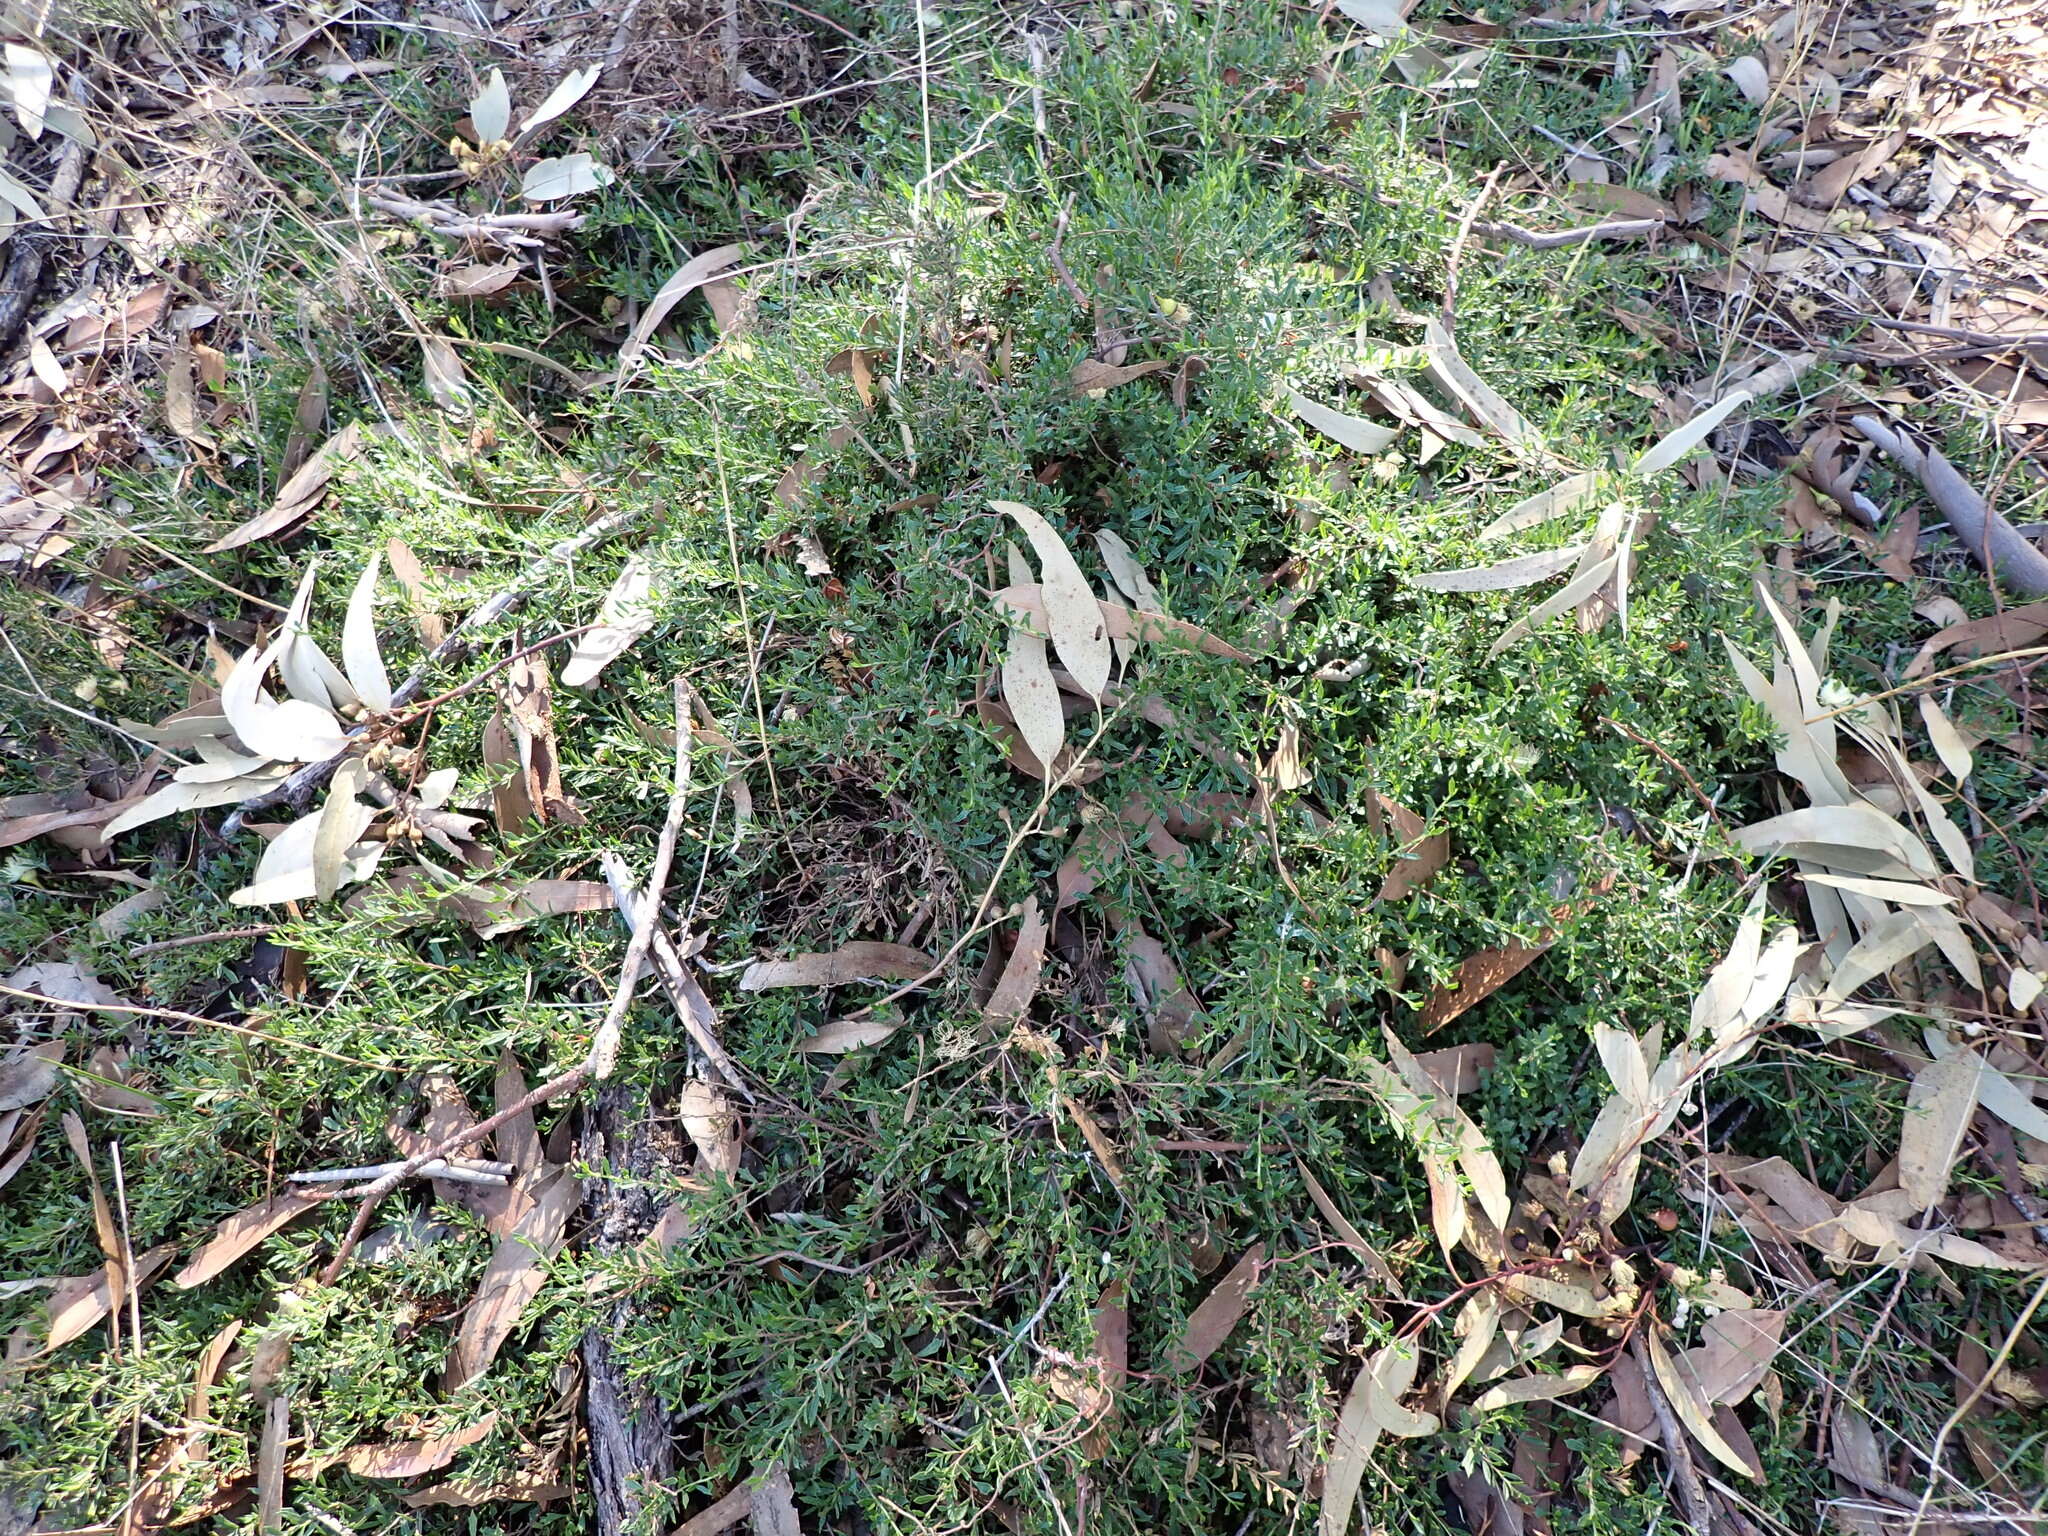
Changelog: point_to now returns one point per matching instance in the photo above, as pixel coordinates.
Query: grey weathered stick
(604, 1044)
(688, 998)
(299, 787)
(23, 273)
(461, 1170)
(1556, 239)
(1992, 541)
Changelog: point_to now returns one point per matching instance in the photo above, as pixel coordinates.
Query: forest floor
(1329, 714)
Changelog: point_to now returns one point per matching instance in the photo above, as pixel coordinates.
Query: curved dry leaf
(78, 1302)
(1358, 435)
(843, 1035)
(1125, 570)
(1736, 1350)
(1458, 1069)
(175, 798)
(687, 278)
(291, 732)
(1489, 1181)
(517, 1271)
(1421, 856)
(1895, 891)
(1853, 829)
(410, 1458)
(1218, 1314)
(1692, 1407)
(1536, 1389)
(1506, 576)
(1391, 1371)
(492, 910)
(1947, 741)
(1074, 616)
(1028, 603)
(572, 88)
(1351, 1236)
(342, 821)
(626, 614)
(31, 80)
(446, 379)
(360, 657)
(1097, 1139)
(490, 111)
(863, 960)
(1892, 940)
(239, 1233)
(2007, 631)
(30, 1076)
(1478, 978)
(301, 493)
(1673, 448)
(549, 181)
(1456, 377)
(1938, 1110)
(1477, 1325)
(713, 1127)
(1996, 1092)
(1570, 595)
(1018, 985)
(1090, 377)
(1029, 692)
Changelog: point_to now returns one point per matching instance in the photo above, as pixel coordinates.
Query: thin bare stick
(459, 1170)
(604, 1045)
(1977, 1390)
(1457, 256)
(1692, 1498)
(1555, 239)
(688, 999)
(72, 1004)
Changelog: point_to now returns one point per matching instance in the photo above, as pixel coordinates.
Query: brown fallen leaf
(1831, 183)
(405, 565)
(409, 1458)
(474, 280)
(862, 960)
(492, 910)
(1478, 978)
(1458, 1069)
(1736, 1350)
(300, 495)
(133, 319)
(738, 1505)
(1419, 854)
(1218, 1315)
(239, 1233)
(94, 813)
(858, 364)
(1097, 1139)
(1011, 999)
(1683, 1390)
(1028, 603)
(1092, 377)
(78, 1302)
(1938, 1110)
(1112, 1355)
(30, 1076)
(517, 1271)
(2014, 629)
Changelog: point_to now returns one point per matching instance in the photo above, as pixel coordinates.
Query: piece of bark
(1982, 530)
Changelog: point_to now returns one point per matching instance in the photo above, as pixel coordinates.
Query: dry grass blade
(863, 960)
(1218, 1315)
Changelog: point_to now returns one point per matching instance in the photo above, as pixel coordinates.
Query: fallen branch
(1992, 541)
(596, 1065)
(507, 229)
(458, 1170)
(688, 999)
(299, 787)
(1555, 239)
(1692, 1497)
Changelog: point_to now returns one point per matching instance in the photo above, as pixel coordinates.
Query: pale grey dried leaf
(1559, 500)
(1674, 447)
(1570, 595)
(30, 1076)
(360, 656)
(1352, 432)
(1073, 613)
(626, 614)
(1947, 741)
(1455, 376)
(1015, 988)
(1844, 827)
(862, 960)
(549, 181)
(490, 112)
(686, 279)
(1505, 576)
(1938, 1110)
(572, 88)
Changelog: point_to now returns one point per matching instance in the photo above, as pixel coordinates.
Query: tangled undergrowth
(956, 1278)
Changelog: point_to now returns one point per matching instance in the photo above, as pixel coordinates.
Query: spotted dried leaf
(863, 960)
(1218, 1314)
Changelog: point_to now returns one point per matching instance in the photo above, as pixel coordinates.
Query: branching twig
(604, 1044)
(1992, 541)
(1457, 256)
